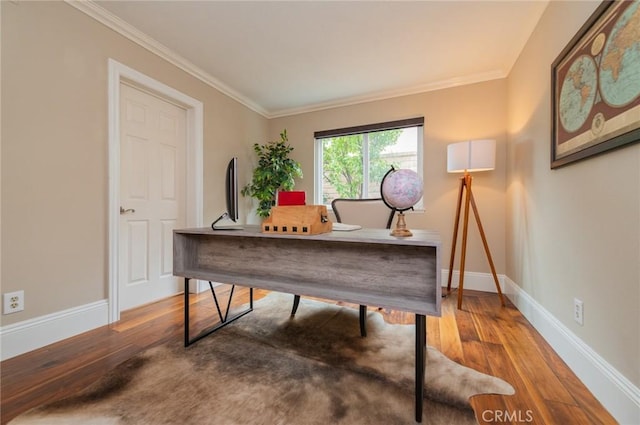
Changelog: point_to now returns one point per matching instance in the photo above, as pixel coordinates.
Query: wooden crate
(298, 220)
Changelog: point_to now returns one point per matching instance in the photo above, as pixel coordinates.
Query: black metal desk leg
(421, 348)
(186, 311)
(363, 320)
(224, 318)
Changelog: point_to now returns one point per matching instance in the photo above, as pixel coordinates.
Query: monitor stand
(228, 224)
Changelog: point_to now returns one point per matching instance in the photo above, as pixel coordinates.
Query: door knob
(128, 210)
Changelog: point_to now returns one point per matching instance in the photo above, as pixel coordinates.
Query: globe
(401, 189)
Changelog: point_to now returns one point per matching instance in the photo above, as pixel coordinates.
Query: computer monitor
(231, 189)
(231, 196)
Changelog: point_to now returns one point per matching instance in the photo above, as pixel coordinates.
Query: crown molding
(130, 32)
(390, 94)
(125, 29)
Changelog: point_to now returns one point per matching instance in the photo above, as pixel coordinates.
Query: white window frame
(318, 148)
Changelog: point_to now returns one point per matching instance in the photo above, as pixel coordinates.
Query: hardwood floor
(495, 340)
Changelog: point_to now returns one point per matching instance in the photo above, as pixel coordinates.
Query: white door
(152, 195)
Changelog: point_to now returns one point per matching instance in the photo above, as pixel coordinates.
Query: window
(351, 162)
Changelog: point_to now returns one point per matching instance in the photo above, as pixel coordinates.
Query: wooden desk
(367, 267)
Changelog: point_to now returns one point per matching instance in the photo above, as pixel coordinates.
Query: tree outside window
(353, 165)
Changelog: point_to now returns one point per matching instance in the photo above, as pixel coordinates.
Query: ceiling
(281, 58)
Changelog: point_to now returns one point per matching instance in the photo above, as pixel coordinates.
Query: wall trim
(475, 281)
(125, 29)
(22, 337)
(616, 393)
(118, 73)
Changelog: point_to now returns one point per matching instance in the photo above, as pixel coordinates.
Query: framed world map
(595, 85)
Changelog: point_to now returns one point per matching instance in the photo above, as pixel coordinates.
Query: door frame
(119, 73)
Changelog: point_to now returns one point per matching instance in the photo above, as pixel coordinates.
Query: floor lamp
(466, 157)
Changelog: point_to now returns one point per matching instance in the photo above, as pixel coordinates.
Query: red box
(294, 197)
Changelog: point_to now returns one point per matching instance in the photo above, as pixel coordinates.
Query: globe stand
(405, 192)
(401, 227)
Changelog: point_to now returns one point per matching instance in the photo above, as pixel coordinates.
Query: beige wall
(452, 115)
(574, 231)
(54, 150)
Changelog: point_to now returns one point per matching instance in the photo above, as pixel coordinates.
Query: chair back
(371, 212)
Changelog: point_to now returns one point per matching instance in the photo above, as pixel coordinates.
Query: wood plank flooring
(489, 338)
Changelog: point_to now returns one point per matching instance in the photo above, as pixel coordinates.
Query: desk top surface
(419, 238)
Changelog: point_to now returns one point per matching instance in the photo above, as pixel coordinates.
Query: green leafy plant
(342, 158)
(275, 171)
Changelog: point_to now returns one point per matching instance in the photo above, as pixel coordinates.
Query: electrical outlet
(578, 311)
(13, 302)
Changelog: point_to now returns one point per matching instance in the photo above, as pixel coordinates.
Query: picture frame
(595, 85)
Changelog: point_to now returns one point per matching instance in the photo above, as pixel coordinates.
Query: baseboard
(616, 393)
(29, 335)
(197, 286)
(473, 280)
(22, 337)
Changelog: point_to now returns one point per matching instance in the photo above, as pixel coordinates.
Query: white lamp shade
(473, 155)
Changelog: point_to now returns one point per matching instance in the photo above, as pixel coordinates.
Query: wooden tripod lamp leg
(454, 239)
(486, 247)
(465, 183)
(465, 231)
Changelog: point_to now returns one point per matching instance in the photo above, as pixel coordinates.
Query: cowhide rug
(269, 368)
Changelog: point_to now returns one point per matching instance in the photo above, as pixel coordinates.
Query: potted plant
(275, 171)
